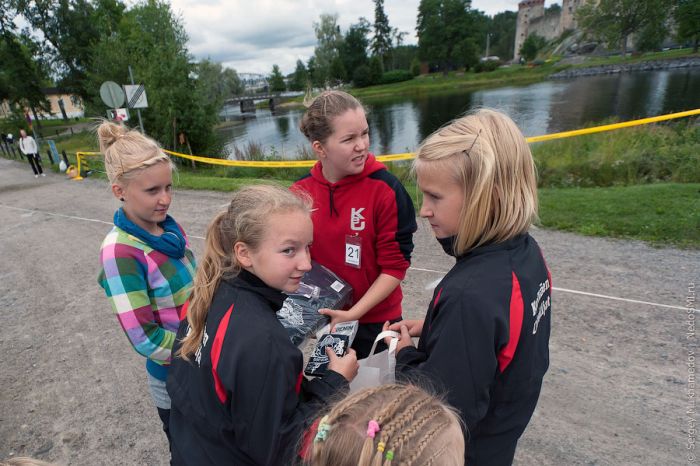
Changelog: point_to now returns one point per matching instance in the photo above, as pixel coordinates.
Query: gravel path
(73, 392)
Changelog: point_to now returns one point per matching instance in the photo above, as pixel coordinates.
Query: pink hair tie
(372, 428)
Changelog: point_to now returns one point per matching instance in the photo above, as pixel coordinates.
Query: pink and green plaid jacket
(146, 289)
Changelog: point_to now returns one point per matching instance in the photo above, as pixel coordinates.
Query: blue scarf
(171, 243)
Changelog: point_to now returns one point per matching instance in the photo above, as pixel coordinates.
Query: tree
(70, 29)
(153, 41)
(532, 44)
(276, 80)
(233, 85)
(381, 42)
(300, 77)
(614, 21)
(329, 41)
(337, 71)
(687, 15)
(449, 33)
(502, 30)
(376, 69)
(21, 77)
(353, 50)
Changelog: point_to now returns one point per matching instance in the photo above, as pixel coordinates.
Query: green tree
(381, 42)
(376, 69)
(687, 16)
(532, 44)
(329, 41)
(153, 41)
(300, 77)
(614, 21)
(502, 30)
(233, 85)
(276, 80)
(353, 50)
(21, 77)
(70, 29)
(449, 33)
(337, 71)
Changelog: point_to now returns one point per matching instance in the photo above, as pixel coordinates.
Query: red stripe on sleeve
(517, 308)
(297, 388)
(216, 353)
(437, 298)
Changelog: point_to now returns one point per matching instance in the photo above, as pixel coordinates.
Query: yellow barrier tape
(410, 155)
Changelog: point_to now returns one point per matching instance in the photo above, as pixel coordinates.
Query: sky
(251, 36)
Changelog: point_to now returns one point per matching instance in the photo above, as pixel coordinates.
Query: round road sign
(112, 94)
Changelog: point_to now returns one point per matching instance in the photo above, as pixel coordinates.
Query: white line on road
(443, 272)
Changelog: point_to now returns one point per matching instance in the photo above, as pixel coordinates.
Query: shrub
(395, 76)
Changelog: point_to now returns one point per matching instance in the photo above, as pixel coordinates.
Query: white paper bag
(377, 369)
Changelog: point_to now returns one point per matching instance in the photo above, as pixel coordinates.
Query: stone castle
(532, 19)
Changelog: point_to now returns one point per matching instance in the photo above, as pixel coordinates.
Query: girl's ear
(241, 251)
(318, 149)
(118, 191)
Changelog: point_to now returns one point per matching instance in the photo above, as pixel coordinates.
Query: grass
(643, 154)
(661, 214)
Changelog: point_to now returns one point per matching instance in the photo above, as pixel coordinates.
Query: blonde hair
(246, 221)
(126, 151)
(416, 428)
(316, 124)
(486, 154)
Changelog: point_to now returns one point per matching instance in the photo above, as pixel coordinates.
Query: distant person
(239, 394)
(485, 337)
(28, 146)
(363, 217)
(147, 265)
(385, 425)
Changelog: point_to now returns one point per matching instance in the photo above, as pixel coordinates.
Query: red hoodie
(373, 207)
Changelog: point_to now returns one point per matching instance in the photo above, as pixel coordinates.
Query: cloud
(252, 36)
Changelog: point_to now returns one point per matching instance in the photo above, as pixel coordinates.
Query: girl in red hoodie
(363, 217)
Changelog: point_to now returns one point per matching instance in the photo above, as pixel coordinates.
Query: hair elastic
(323, 429)
(389, 455)
(380, 447)
(372, 428)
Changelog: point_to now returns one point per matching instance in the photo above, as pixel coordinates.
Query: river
(398, 124)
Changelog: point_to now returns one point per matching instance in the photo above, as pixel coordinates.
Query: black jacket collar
(252, 283)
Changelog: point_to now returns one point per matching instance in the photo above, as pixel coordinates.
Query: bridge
(247, 102)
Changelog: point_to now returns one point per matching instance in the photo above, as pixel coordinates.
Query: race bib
(353, 250)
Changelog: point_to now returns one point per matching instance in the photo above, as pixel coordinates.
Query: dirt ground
(72, 391)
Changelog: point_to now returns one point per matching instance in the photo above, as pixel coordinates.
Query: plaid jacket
(146, 289)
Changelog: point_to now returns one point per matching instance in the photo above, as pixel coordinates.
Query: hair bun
(108, 133)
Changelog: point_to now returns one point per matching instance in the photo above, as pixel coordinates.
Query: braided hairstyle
(415, 428)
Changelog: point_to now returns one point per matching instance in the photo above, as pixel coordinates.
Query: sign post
(137, 99)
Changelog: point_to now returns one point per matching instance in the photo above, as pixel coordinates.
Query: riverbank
(516, 75)
(654, 65)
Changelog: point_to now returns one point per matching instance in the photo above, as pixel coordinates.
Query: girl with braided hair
(388, 425)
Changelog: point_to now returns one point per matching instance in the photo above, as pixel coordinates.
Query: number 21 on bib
(353, 250)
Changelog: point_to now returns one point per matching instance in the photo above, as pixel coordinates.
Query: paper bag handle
(392, 345)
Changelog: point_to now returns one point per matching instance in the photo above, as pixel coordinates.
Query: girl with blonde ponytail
(147, 264)
(237, 388)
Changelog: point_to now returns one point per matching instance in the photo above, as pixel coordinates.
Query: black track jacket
(242, 398)
(485, 343)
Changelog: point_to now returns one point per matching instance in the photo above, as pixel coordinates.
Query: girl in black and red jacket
(485, 337)
(237, 389)
(363, 217)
